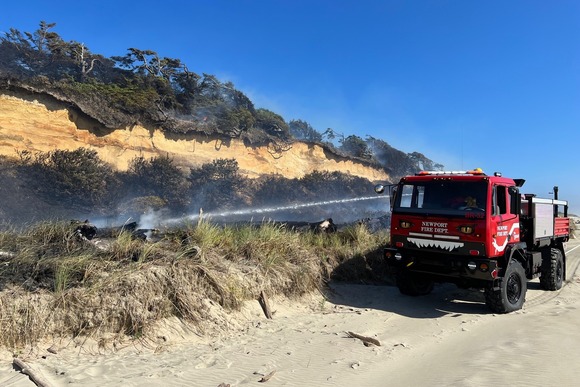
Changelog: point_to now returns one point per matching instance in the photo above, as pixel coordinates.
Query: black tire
(413, 284)
(552, 277)
(511, 294)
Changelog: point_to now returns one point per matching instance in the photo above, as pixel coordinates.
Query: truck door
(505, 224)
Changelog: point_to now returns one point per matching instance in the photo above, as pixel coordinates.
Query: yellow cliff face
(45, 125)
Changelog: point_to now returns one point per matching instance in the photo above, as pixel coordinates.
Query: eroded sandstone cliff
(41, 123)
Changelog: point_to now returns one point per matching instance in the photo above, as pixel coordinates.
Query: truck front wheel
(412, 284)
(552, 276)
(511, 292)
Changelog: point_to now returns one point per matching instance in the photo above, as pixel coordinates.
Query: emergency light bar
(476, 171)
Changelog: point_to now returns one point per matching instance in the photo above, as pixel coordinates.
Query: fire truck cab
(476, 231)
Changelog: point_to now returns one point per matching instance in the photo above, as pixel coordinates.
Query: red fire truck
(476, 231)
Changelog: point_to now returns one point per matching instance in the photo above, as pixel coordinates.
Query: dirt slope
(41, 123)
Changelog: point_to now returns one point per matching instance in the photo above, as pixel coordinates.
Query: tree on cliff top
(155, 91)
(302, 130)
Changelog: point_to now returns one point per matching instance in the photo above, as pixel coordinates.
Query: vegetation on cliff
(160, 92)
(65, 184)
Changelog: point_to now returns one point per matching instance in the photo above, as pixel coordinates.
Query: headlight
(405, 224)
(466, 229)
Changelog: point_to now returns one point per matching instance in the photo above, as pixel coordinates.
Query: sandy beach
(447, 338)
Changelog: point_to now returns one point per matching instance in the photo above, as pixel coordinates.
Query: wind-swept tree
(355, 146)
(302, 130)
(30, 51)
(44, 52)
(148, 62)
(272, 123)
(424, 163)
(237, 121)
(83, 58)
(43, 39)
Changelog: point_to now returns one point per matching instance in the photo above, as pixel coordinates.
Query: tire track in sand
(536, 295)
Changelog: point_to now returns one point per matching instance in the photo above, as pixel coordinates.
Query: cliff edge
(36, 122)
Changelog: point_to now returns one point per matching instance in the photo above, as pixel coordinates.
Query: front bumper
(442, 267)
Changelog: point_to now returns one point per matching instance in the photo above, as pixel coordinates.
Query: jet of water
(267, 210)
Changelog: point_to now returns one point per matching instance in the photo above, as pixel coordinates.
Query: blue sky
(490, 84)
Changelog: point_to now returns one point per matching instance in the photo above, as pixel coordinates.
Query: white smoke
(151, 219)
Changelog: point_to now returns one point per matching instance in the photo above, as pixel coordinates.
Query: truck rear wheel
(412, 284)
(511, 293)
(552, 276)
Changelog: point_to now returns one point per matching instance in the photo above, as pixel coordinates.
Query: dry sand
(447, 338)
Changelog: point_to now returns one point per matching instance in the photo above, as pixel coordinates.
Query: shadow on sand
(351, 286)
(446, 299)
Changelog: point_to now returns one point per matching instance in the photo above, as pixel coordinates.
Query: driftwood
(325, 226)
(87, 231)
(263, 300)
(366, 340)
(27, 369)
(267, 377)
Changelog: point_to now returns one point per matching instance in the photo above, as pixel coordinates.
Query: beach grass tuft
(54, 283)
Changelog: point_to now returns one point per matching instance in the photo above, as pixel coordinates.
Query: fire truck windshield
(441, 196)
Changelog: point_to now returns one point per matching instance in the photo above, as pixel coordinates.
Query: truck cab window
(420, 197)
(499, 200)
(406, 196)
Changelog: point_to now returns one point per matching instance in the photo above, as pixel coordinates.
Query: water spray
(266, 210)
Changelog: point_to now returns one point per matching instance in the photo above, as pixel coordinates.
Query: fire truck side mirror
(392, 191)
(516, 203)
(393, 194)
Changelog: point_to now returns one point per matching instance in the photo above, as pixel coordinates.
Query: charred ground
(77, 184)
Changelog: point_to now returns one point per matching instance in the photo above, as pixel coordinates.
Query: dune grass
(55, 284)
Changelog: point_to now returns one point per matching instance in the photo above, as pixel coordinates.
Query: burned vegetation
(143, 87)
(77, 185)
